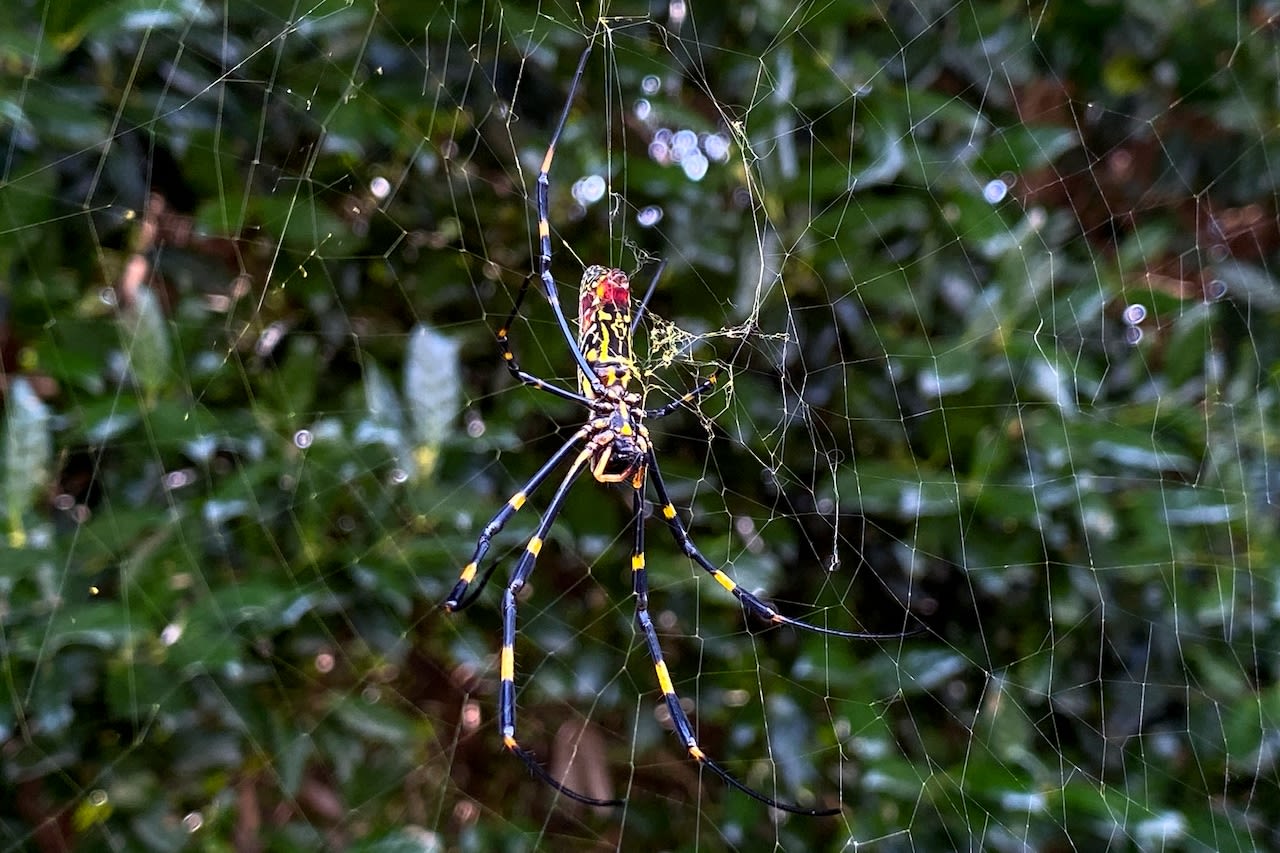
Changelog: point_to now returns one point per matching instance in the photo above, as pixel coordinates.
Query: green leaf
(408, 839)
(375, 721)
(384, 422)
(433, 389)
(881, 487)
(28, 455)
(1021, 148)
(145, 333)
(927, 670)
(104, 625)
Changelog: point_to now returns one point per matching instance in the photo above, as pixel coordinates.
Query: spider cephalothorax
(619, 442)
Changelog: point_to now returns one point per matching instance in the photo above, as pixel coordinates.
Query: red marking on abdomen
(614, 288)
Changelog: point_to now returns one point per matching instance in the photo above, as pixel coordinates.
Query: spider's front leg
(542, 192)
(509, 356)
(698, 390)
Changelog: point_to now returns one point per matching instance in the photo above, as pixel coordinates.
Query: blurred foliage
(1012, 370)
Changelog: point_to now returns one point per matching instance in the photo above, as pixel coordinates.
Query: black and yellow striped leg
(667, 408)
(504, 345)
(456, 601)
(541, 192)
(683, 728)
(507, 668)
(750, 602)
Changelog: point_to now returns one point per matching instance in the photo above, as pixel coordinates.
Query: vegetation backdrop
(992, 290)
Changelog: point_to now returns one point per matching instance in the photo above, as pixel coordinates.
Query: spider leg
(683, 728)
(507, 687)
(748, 601)
(698, 390)
(702, 387)
(643, 305)
(544, 232)
(504, 346)
(456, 601)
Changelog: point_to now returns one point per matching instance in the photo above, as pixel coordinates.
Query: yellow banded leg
(679, 719)
(667, 408)
(507, 656)
(542, 269)
(457, 597)
(749, 601)
(509, 356)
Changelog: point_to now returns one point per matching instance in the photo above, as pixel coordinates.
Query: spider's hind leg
(679, 719)
(458, 598)
(507, 660)
(749, 601)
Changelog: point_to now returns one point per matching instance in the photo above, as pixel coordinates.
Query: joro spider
(615, 447)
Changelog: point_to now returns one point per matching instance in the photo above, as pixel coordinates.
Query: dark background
(1011, 380)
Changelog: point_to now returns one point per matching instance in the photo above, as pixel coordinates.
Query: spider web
(992, 292)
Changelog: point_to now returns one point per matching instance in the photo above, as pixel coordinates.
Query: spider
(614, 445)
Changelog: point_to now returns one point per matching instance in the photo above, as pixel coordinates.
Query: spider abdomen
(604, 326)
